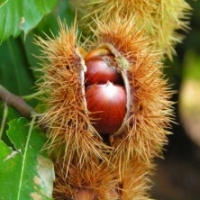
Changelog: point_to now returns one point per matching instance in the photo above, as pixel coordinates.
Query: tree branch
(16, 102)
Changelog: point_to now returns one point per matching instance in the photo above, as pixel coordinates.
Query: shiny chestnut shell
(101, 69)
(107, 104)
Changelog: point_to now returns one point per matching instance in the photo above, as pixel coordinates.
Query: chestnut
(101, 69)
(107, 104)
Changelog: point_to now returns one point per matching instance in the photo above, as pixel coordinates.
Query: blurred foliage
(177, 177)
(185, 65)
(191, 65)
(190, 45)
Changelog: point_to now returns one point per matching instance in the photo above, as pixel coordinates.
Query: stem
(3, 123)
(24, 157)
(32, 96)
(16, 102)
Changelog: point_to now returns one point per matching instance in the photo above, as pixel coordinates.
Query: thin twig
(3, 123)
(16, 102)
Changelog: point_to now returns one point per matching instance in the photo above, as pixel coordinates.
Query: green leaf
(22, 15)
(49, 24)
(25, 173)
(15, 73)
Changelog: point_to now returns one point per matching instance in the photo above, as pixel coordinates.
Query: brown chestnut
(107, 104)
(101, 69)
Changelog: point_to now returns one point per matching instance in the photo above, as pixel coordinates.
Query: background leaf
(22, 15)
(15, 73)
(24, 168)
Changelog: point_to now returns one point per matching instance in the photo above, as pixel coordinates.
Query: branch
(16, 102)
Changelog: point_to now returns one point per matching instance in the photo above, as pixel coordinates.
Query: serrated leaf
(24, 172)
(22, 15)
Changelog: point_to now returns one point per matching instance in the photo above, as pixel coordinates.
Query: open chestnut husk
(106, 91)
(119, 160)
